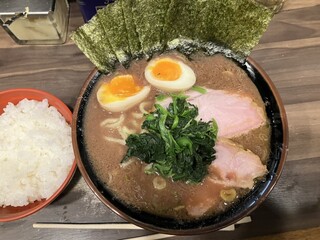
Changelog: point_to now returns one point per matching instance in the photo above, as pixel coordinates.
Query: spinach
(176, 145)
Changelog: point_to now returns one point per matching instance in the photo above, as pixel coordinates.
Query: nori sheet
(234, 24)
(87, 47)
(133, 37)
(91, 40)
(186, 46)
(126, 28)
(179, 26)
(149, 18)
(112, 21)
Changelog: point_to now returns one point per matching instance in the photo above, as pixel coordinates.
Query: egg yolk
(119, 88)
(166, 70)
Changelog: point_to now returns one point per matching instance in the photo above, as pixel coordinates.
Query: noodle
(112, 122)
(263, 137)
(135, 123)
(127, 163)
(128, 130)
(125, 132)
(142, 107)
(116, 140)
(137, 115)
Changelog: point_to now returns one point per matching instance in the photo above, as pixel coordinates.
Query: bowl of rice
(36, 155)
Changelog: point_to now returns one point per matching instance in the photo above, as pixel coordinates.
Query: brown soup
(129, 183)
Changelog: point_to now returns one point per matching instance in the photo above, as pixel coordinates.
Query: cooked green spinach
(176, 145)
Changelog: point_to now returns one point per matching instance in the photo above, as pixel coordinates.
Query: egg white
(185, 81)
(122, 104)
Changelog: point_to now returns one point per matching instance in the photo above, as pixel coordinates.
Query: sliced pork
(234, 114)
(233, 167)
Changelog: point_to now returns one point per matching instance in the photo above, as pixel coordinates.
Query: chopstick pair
(111, 226)
(121, 226)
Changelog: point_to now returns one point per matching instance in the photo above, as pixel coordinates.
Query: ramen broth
(128, 182)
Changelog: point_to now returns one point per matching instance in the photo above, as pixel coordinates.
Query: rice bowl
(46, 170)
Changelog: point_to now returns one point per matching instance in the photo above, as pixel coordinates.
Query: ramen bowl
(278, 152)
(10, 213)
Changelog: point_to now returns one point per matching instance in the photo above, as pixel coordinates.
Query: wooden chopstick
(151, 237)
(110, 226)
(123, 226)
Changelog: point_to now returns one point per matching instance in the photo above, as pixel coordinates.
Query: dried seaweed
(133, 37)
(91, 40)
(95, 32)
(186, 46)
(87, 47)
(127, 28)
(179, 25)
(181, 19)
(234, 24)
(149, 18)
(112, 21)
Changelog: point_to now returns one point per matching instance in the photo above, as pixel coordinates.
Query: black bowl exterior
(279, 145)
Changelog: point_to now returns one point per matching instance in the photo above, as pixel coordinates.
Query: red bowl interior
(15, 95)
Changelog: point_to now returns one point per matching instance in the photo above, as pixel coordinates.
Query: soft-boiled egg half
(121, 93)
(169, 75)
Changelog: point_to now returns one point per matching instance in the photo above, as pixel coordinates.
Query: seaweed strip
(96, 34)
(112, 21)
(134, 27)
(133, 37)
(234, 24)
(149, 18)
(186, 46)
(91, 40)
(87, 47)
(181, 19)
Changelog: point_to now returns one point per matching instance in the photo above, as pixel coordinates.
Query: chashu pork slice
(234, 114)
(233, 167)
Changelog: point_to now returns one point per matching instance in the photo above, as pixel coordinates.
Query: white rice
(36, 152)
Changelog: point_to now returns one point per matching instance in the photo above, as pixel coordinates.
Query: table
(289, 51)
